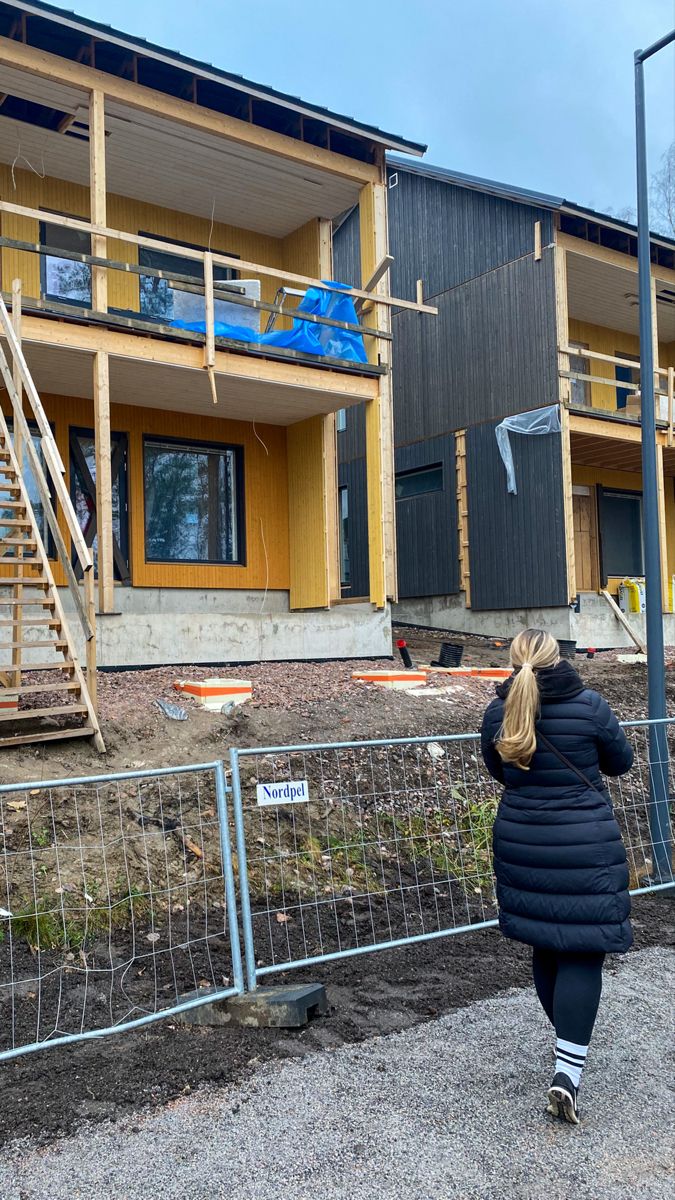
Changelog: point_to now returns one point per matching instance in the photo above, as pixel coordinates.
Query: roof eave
(40, 8)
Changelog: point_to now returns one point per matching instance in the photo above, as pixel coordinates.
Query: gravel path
(452, 1109)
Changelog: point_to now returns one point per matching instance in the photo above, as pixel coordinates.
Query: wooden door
(586, 559)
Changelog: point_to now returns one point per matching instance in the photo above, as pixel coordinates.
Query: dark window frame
(601, 494)
(240, 505)
(45, 294)
(413, 471)
(220, 274)
(122, 547)
(345, 578)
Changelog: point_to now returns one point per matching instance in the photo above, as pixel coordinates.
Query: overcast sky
(531, 92)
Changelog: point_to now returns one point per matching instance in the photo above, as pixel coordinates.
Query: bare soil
(51, 1092)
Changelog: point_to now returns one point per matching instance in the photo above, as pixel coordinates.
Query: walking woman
(560, 863)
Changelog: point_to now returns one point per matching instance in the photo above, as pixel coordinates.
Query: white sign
(294, 791)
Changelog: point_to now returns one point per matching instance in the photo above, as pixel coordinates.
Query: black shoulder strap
(568, 763)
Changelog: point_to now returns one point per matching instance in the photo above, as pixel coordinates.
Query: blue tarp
(322, 340)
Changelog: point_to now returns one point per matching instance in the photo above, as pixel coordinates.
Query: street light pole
(659, 809)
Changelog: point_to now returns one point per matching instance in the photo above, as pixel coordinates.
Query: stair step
(67, 665)
(27, 714)
(13, 504)
(50, 735)
(30, 689)
(27, 580)
(30, 602)
(17, 541)
(52, 622)
(51, 644)
(9, 487)
(15, 522)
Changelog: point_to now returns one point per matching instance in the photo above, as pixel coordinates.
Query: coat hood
(555, 683)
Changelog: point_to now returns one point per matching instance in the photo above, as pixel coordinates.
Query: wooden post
(209, 313)
(97, 198)
(379, 412)
(670, 402)
(463, 516)
(564, 392)
(537, 241)
(104, 528)
(330, 459)
(17, 590)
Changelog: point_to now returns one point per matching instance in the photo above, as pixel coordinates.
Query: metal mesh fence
(116, 900)
(385, 842)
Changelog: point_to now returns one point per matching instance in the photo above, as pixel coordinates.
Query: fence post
(228, 874)
(244, 895)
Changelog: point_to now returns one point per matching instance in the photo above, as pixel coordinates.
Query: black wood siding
(347, 251)
(426, 526)
(444, 234)
(352, 475)
(517, 553)
(490, 352)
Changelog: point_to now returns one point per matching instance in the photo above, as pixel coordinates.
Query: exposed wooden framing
(18, 450)
(221, 260)
(97, 197)
(663, 532)
(581, 352)
(463, 516)
(613, 258)
(623, 620)
(379, 412)
(104, 516)
(419, 291)
(331, 496)
(602, 428)
(183, 112)
(670, 402)
(611, 383)
(562, 325)
(537, 241)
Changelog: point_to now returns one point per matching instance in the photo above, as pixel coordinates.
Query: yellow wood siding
(611, 341)
(307, 515)
(265, 496)
(130, 216)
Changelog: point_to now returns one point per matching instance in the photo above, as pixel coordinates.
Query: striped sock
(570, 1059)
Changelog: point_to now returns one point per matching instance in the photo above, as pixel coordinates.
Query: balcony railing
(621, 398)
(216, 311)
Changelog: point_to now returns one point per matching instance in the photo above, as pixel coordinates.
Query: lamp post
(659, 814)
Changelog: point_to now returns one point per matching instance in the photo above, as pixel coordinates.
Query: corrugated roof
(520, 195)
(208, 71)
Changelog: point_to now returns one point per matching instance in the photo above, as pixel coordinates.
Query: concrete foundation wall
(594, 624)
(154, 627)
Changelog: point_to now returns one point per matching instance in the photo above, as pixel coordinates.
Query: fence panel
(382, 843)
(116, 900)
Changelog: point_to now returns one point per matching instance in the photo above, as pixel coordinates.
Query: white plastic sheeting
(540, 420)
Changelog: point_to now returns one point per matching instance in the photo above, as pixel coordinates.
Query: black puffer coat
(560, 863)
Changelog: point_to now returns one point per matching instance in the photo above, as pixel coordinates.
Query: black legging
(569, 986)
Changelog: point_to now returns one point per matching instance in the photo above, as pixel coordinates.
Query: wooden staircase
(44, 692)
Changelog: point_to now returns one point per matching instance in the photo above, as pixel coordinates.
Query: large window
(157, 295)
(419, 482)
(345, 573)
(621, 533)
(64, 279)
(193, 502)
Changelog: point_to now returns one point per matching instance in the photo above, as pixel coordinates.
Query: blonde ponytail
(531, 651)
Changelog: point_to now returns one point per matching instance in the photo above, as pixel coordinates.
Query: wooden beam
(221, 260)
(671, 403)
(209, 313)
(622, 619)
(191, 357)
(568, 502)
(184, 112)
(330, 457)
(104, 514)
(97, 197)
(537, 241)
(379, 412)
(619, 431)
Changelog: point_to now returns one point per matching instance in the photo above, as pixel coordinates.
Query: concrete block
(287, 1007)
